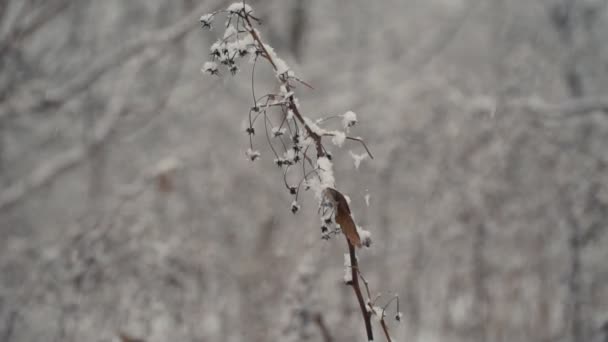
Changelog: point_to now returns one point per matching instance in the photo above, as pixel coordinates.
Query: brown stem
(385, 329)
(291, 103)
(320, 153)
(357, 288)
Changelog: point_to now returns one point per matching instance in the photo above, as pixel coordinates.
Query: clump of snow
(348, 273)
(230, 32)
(277, 132)
(216, 48)
(367, 199)
(282, 67)
(206, 20)
(252, 154)
(366, 236)
(237, 7)
(314, 127)
(284, 92)
(357, 158)
(289, 114)
(378, 312)
(289, 155)
(325, 180)
(295, 207)
(349, 119)
(210, 67)
(326, 172)
(338, 138)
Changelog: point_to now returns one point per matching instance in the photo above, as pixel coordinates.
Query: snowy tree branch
(241, 39)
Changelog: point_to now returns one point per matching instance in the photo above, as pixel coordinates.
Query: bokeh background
(127, 205)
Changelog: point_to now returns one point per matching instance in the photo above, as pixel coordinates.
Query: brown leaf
(343, 216)
(127, 338)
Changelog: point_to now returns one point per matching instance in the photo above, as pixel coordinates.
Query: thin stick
(357, 288)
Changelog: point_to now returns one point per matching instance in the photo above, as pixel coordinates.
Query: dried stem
(290, 100)
(289, 103)
(357, 288)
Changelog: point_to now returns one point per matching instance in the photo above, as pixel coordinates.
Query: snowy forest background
(127, 205)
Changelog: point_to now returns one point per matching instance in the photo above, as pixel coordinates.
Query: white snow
(348, 273)
(349, 119)
(326, 178)
(216, 47)
(239, 6)
(282, 67)
(276, 131)
(230, 32)
(284, 92)
(378, 312)
(207, 18)
(357, 158)
(289, 114)
(289, 154)
(367, 198)
(338, 138)
(365, 235)
(210, 67)
(314, 127)
(280, 64)
(295, 207)
(326, 172)
(252, 154)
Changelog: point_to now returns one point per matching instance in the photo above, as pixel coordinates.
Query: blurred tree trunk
(299, 23)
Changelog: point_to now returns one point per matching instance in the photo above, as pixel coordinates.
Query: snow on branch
(297, 142)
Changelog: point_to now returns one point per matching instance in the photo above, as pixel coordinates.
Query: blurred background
(128, 206)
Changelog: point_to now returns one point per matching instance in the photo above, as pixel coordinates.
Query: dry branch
(242, 39)
(292, 105)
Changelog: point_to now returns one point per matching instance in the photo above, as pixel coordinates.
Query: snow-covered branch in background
(298, 142)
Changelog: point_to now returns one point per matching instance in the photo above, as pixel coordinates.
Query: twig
(320, 153)
(291, 103)
(314, 133)
(385, 329)
(357, 288)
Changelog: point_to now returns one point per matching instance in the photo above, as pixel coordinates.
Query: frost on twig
(349, 119)
(348, 278)
(299, 144)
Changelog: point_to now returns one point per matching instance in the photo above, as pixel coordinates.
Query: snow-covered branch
(291, 139)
